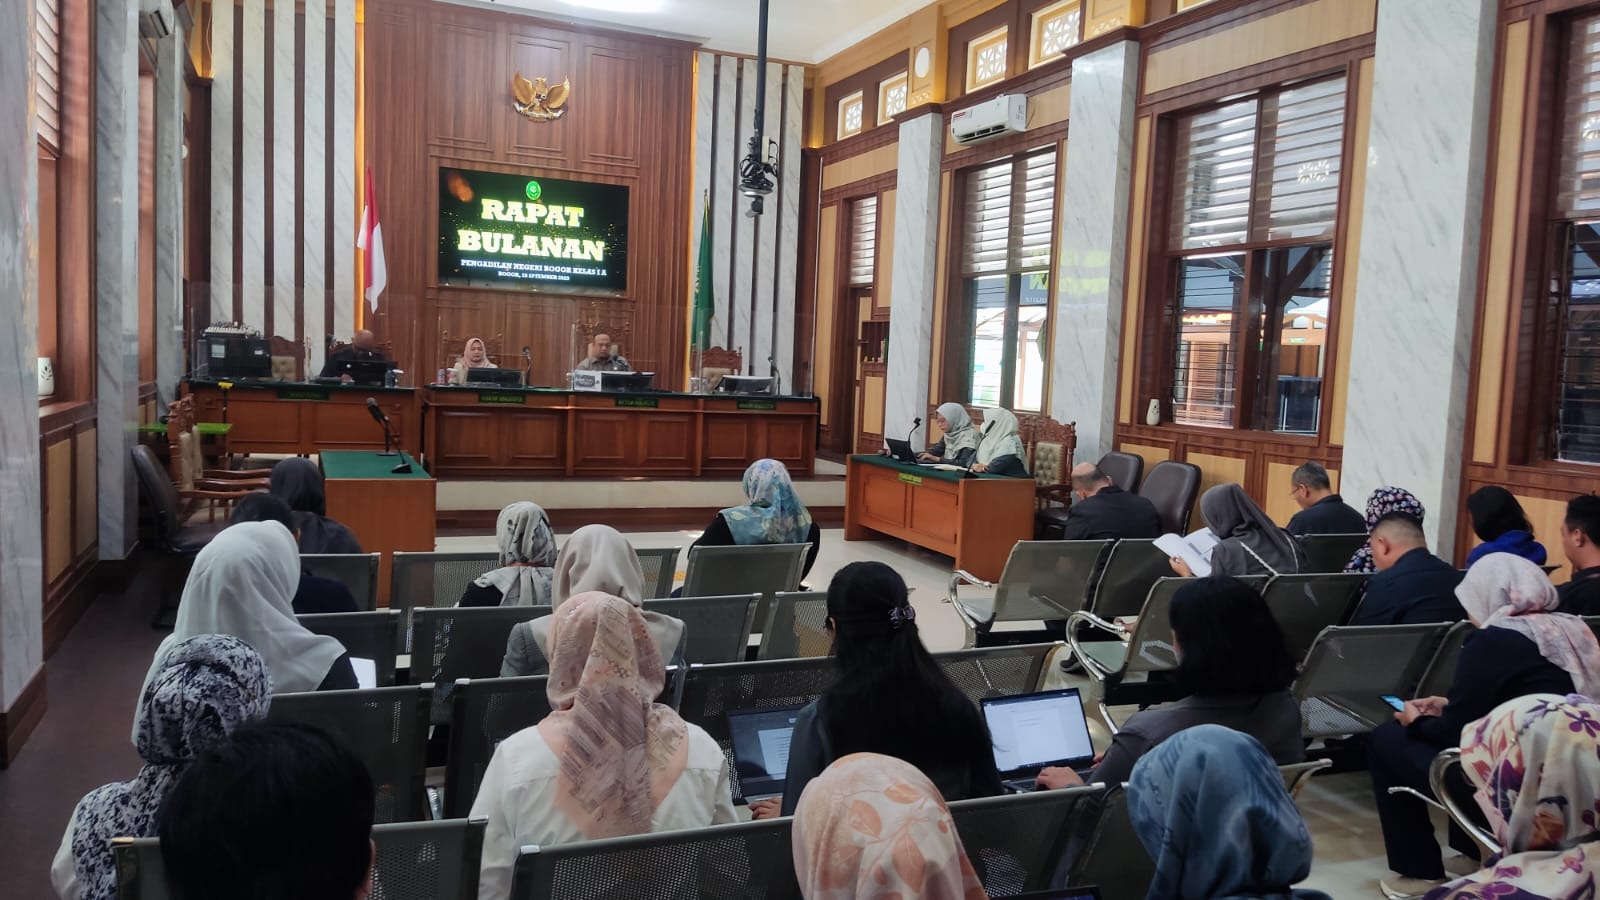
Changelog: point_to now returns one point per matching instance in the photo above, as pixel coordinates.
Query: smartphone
(1394, 701)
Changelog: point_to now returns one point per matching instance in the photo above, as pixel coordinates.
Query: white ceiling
(807, 31)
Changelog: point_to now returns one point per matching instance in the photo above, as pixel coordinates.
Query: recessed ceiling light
(619, 6)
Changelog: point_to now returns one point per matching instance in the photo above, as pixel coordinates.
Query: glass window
(1055, 28)
(1253, 219)
(892, 96)
(1576, 320)
(863, 241)
(987, 59)
(850, 111)
(47, 61)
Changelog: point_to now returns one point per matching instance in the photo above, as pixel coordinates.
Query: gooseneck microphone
(527, 370)
(915, 424)
(382, 419)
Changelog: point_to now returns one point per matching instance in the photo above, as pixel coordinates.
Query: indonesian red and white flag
(371, 241)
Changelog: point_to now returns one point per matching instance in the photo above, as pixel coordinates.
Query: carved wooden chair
(197, 485)
(288, 357)
(1050, 446)
(716, 362)
(452, 347)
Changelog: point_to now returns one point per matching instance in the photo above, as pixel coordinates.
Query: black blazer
(1581, 595)
(1418, 588)
(1111, 513)
(1496, 665)
(1330, 515)
(717, 534)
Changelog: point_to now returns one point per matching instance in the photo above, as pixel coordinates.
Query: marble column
(21, 546)
(116, 268)
(1092, 244)
(1417, 281)
(911, 283)
(170, 90)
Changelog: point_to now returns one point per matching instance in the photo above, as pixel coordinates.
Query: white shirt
(64, 870)
(518, 798)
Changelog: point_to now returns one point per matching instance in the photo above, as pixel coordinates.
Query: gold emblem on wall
(538, 99)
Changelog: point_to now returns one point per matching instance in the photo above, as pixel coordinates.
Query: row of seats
(389, 726)
(1017, 843)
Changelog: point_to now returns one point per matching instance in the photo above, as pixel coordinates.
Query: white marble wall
(726, 181)
(170, 90)
(788, 203)
(116, 232)
(739, 304)
(252, 194)
(285, 133)
(763, 297)
(314, 215)
(345, 177)
(1418, 272)
(705, 99)
(223, 65)
(911, 284)
(21, 544)
(1091, 228)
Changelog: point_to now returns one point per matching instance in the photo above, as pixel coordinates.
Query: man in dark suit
(1412, 585)
(363, 347)
(1104, 510)
(1579, 532)
(1321, 510)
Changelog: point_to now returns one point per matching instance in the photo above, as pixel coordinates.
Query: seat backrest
(387, 727)
(716, 629)
(1297, 775)
(1328, 552)
(356, 571)
(1594, 624)
(1016, 841)
(1150, 645)
(1349, 670)
(764, 569)
(997, 671)
(1440, 772)
(1125, 469)
(1172, 487)
(485, 712)
(368, 635)
(1306, 604)
(464, 642)
(1133, 567)
(413, 861)
(796, 626)
(1110, 855)
(710, 692)
(159, 490)
(1047, 579)
(723, 862)
(1441, 671)
(660, 565)
(433, 579)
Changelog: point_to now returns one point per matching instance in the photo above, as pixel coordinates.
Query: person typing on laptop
(959, 445)
(1234, 664)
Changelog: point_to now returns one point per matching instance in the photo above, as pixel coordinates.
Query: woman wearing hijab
(298, 482)
(1522, 647)
(243, 584)
(774, 515)
(1535, 762)
(1384, 500)
(608, 761)
(960, 442)
(1000, 450)
(874, 826)
(1250, 543)
(527, 558)
(1210, 807)
(594, 558)
(475, 355)
(1498, 521)
(202, 688)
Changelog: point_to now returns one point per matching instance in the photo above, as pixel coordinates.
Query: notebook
(761, 749)
(1032, 731)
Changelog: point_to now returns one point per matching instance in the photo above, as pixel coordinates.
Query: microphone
(527, 353)
(915, 424)
(379, 417)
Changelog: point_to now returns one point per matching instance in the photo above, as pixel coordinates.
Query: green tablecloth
(205, 429)
(367, 464)
(889, 462)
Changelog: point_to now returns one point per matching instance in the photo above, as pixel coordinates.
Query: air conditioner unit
(1005, 114)
(155, 19)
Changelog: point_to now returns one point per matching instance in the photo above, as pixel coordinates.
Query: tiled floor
(83, 740)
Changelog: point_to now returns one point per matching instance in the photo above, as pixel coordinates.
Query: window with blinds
(1578, 191)
(1009, 212)
(1575, 326)
(863, 241)
(47, 29)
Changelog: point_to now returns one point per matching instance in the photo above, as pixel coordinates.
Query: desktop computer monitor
(745, 384)
(627, 381)
(496, 377)
(365, 371)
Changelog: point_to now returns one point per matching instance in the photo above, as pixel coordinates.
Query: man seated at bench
(1104, 511)
(1412, 586)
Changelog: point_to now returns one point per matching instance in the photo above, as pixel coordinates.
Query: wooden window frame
(1040, 19)
(855, 99)
(975, 48)
(885, 87)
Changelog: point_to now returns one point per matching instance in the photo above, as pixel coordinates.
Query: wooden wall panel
(1258, 39)
(1546, 516)
(629, 122)
(58, 500)
(1215, 470)
(1151, 453)
(885, 267)
(1280, 503)
(827, 298)
(86, 509)
(1356, 207)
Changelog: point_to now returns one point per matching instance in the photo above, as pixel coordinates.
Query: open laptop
(761, 749)
(1066, 893)
(1032, 731)
(901, 450)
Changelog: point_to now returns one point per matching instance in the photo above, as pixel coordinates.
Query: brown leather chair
(1125, 469)
(177, 542)
(1172, 487)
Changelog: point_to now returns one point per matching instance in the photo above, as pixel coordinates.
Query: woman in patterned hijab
(1210, 807)
(774, 514)
(201, 690)
(527, 559)
(1384, 500)
(1535, 761)
(875, 826)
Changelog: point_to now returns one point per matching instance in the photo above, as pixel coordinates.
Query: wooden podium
(386, 510)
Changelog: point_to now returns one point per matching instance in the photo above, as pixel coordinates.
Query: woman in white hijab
(1000, 449)
(594, 558)
(243, 585)
(960, 442)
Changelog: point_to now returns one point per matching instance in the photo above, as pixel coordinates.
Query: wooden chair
(451, 347)
(196, 484)
(288, 357)
(716, 362)
(1050, 447)
(592, 320)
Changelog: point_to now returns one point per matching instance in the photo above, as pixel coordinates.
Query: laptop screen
(1036, 730)
(761, 748)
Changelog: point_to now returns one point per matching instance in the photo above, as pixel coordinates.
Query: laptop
(761, 749)
(901, 450)
(1032, 731)
(1067, 893)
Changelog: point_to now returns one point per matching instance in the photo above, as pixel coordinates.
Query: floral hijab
(524, 535)
(874, 826)
(774, 514)
(1535, 761)
(1502, 590)
(201, 689)
(1384, 500)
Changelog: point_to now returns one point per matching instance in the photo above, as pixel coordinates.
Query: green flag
(705, 302)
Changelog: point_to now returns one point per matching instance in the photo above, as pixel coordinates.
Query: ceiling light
(618, 6)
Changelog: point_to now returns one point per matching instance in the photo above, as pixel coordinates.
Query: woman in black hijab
(298, 482)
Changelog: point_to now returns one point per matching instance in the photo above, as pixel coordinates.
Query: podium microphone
(915, 424)
(379, 417)
(527, 357)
